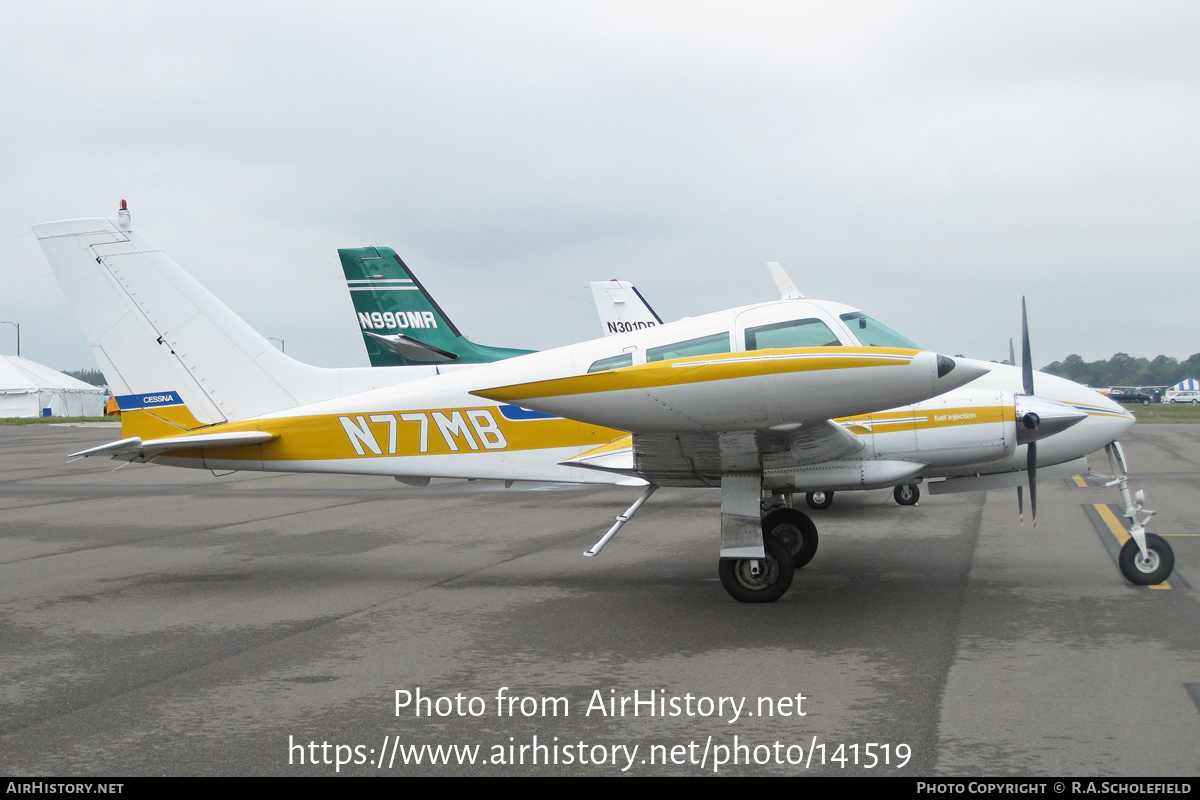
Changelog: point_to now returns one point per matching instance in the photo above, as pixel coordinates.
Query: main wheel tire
(795, 530)
(819, 500)
(772, 580)
(1150, 571)
(907, 494)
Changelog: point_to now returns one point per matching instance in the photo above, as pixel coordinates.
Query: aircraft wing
(701, 458)
(743, 391)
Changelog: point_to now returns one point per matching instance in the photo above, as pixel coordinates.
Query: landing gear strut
(1146, 559)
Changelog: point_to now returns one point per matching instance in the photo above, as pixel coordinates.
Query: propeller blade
(1026, 358)
(1012, 357)
(1031, 467)
(1021, 503)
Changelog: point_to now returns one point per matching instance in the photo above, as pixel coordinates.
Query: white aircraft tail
(162, 339)
(621, 307)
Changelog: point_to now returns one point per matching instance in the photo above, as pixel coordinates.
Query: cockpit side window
(615, 362)
(873, 333)
(791, 333)
(705, 345)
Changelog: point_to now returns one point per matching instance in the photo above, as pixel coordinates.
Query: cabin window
(615, 362)
(791, 333)
(873, 333)
(705, 345)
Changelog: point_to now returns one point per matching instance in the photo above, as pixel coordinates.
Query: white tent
(1186, 385)
(28, 389)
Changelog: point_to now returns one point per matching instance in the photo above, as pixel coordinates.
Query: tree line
(1125, 370)
(93, 376)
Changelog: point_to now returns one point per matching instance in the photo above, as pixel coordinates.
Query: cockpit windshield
(873, 333)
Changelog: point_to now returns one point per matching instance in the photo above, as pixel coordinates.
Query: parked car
(1130, 396)
(1184, 397)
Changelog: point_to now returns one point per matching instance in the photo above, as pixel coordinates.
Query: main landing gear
(906, 495)
(759, 580)
(789, 542)
(795, 530)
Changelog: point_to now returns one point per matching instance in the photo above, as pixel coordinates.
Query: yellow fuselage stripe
(908, 419)
(447, 431)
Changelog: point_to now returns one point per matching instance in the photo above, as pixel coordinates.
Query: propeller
(1029, 421)
(1037, 418)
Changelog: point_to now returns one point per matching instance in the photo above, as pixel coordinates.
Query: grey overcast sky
(928, 162)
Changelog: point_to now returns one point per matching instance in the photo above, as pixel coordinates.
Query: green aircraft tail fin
(401, 323)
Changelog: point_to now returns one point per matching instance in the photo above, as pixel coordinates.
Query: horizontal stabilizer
(411, 349)
(149, 448)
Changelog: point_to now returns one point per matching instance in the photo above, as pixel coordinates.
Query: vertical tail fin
(401, 323)
(621, 307)
(166, 345)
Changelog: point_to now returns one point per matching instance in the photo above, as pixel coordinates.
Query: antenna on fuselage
(787, 288)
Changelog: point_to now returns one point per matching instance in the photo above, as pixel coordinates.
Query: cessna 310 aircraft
(743, 399)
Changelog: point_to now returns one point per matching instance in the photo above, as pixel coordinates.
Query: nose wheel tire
(758, 580)
(819, 500)
(1149, 571)
(907, 494)
(795, 530)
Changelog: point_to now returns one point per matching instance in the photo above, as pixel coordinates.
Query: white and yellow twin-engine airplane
(918, 433)
(743, 399)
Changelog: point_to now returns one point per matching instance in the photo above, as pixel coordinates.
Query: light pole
(282, 344)
(18, 327)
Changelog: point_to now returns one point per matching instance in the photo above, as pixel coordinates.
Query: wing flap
(616, 456)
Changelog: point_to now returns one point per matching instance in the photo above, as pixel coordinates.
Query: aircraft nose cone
(1038, 418)
(952, 373)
